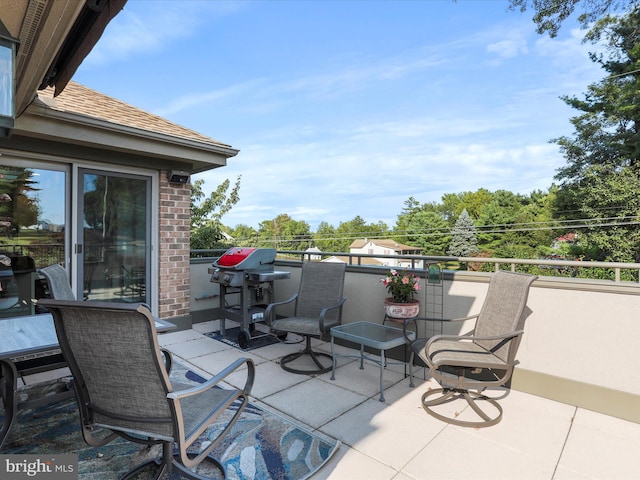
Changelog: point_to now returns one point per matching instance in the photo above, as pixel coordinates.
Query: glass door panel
(32, 233)
(113, 250)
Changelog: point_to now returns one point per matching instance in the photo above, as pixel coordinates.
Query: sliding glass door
(113, 246)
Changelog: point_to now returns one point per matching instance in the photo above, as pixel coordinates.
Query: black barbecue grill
(246, 277)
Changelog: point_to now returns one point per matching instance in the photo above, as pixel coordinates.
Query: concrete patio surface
(396, 439)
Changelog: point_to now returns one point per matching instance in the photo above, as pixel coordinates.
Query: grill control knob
(227, 278)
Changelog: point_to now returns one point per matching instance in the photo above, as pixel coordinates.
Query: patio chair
(58, 282)
(466, 365)
(123, 389)
(318, 307)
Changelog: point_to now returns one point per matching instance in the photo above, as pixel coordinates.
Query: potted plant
(402, 286)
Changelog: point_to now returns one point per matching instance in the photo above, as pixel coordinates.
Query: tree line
(595, 196)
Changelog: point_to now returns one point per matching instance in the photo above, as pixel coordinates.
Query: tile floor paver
(391, 437)
(270, 379)
(350, 464)
(457, 454)
(601, 447)
(397, 440)
(314, 402)
(197, 347)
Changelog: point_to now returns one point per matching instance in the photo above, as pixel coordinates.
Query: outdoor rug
(259, 339)
(261, 446)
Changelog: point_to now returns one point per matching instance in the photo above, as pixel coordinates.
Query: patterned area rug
(261, 446)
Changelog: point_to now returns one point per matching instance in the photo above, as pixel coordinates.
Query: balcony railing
(584, 316)
(616, 272)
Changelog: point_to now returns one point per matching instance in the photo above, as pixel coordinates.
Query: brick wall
(173, 251)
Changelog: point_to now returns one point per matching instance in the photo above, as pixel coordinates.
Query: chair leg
(315, 356)
(183, 472)
(164, 465)
(447, 395)
(411, 358)
(168, 467)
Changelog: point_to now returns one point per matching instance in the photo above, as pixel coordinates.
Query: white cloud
(160, 24)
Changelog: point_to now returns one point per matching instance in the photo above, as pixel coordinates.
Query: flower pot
(401, 310)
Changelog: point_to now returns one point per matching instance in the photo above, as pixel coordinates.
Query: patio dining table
(29, 345)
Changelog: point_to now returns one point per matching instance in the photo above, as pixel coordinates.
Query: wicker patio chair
(318, 307)
(466, 365)
(124, 390)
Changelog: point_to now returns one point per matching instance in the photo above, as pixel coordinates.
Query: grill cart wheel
(243, 339)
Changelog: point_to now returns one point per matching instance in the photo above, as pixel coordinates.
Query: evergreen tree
(601, 179)
(464, 242)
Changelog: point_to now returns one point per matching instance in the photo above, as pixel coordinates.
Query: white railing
(580, 343)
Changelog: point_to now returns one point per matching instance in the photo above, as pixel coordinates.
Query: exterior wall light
(8, 48)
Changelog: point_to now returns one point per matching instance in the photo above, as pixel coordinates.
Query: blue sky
(344, 108)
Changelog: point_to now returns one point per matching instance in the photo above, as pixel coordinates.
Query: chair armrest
(186, 439)
(472, 337)
(415, 321)
(507, 336)
(271, 306)
(213, 381)
(324, 311)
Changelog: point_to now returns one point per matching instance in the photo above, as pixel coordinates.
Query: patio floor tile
(198, 347)
(397, 440)
(314, 402)
(349, 464)
(388, 434)
(600, 446)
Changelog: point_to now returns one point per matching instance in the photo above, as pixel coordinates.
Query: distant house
(385, 247)
(570, 238)
(315, 253)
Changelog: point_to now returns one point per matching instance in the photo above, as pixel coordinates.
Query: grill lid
(245, 258)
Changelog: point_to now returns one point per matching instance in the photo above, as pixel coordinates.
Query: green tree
(244, 235)
(464, 242)
(411, 206)
(600, 179)
(325, 238)
(206, 213)
(429, 231)
(497, 214)
(284, 233)
(533, 228)
(549, 14)
(472, 202)
(19, 205)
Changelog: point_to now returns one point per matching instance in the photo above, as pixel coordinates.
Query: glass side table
(372, 335)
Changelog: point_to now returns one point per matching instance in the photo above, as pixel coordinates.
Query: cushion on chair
(299, 325)
(465, 354)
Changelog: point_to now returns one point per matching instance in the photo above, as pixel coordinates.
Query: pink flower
(402, 286)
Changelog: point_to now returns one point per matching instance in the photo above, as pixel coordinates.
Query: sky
(348, 108)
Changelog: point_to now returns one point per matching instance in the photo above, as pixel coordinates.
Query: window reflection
(32, 222)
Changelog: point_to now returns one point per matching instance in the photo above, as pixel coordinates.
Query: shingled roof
(82, 100)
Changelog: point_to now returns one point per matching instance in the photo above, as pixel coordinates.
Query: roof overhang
(84, 137)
